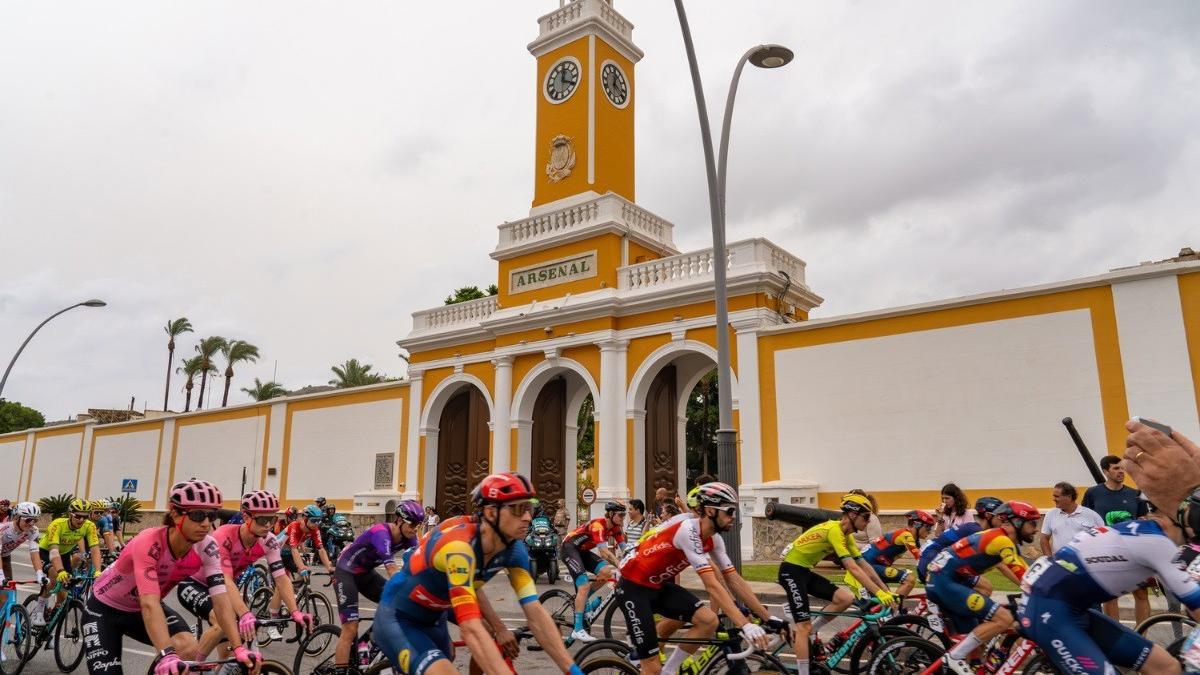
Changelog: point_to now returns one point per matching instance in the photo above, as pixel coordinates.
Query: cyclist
(114, 515)
(127, 599)
(830, 539)
(66, 533)
(985, 508)
(883, 552)
(98, 514)
(952, 570)
(576, 552)
(241, 545)
(329, 511)
(647, 585)
(447, 571)
(355, 573)
(289, 517)
(21, 528)
(307, 527)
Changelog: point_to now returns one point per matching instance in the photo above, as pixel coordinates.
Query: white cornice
(580, 18)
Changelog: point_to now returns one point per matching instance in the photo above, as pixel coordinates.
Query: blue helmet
(312, 511)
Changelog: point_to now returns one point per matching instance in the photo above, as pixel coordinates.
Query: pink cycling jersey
(147, 567)
(11, 538)
(238, 557)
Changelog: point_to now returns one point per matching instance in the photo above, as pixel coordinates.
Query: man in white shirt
(1067, 519)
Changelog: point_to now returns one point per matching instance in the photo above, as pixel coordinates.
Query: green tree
(703, 418)
(585, 437)
(235, 351)
(355, 374)
(264, 391)
(207, 349)
(471, 293)
(191, 368)
(174, 328)
(16, 417)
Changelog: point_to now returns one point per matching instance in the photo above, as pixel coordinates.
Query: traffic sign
(588, 496)
(129, 485)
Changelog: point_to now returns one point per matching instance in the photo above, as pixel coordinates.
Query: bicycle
(15, 634)
(251, 579)
(62, 630)
(561, 606)
(316, 652)
(1166, 629)
(721, 653)
(267, 667)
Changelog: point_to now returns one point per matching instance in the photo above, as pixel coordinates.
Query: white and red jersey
(11, 538)
(146, 566)
(594, 534)
(297, 532)
(670, 550)
(238, 557)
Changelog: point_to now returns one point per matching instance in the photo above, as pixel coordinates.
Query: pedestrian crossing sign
(129, 485)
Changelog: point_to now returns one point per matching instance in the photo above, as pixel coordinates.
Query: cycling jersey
(237, 556)
(671, 550)
(296, 533)
(60, 534)
(935, 546)
(444, 570)
(885, 549)
(103, 524)
(594, 534)
(11, 538)
(977, 553)
(820, 542)
(372, 548)
(147, 567)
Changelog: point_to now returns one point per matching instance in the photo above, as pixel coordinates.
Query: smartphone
(1154, 425)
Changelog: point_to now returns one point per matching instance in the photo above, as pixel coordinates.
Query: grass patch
(770, 572)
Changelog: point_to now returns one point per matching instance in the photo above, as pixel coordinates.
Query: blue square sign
(128, 485)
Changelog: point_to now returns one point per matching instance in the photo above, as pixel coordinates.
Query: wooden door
(549, 443)
(662, 444)
(462, 451)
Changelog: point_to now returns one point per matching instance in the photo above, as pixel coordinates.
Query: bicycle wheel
(611, 619)
(604, 647)
(15, 640)
(561, 606)
(904, 656)
(315, 654)
(866, 646)
(68, 637)
(1038, 664)
(919, 626)
(757, 662)
(274, 668)
(318, 605)
(260, 603)
(1164, 629)
(610, 665)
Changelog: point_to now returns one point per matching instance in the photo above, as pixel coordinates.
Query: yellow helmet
(693, 498)
(98, 505)
(78, 506)
(856, 504)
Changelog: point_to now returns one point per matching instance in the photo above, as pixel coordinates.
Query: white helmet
(27, 510)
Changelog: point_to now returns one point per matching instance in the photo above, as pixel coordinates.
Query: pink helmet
(194, 494)
(260, 501)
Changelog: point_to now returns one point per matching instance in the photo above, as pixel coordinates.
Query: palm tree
(174, 328)
(191, 368)
(207, 349)
(355, 374)
(235, 351)
(263, 391)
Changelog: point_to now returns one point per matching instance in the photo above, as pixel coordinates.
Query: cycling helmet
(715, 494)
(4, 503)
(312, 511)
(319, 501)
(918, 517)
(1017, 513)
(856, 504)
(410, 512)
(693, 498)
(195, 494)
(27, 510)
(614, 507)
(78, 506)
(260, 501)
(987, 504)
(292, 512)
(498, 488)
(98, 505)
(1114, 517)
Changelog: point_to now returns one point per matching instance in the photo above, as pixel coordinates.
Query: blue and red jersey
(977, 553)
(884, 550)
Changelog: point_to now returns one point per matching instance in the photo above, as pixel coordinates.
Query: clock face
(562, 80)
(616, 88)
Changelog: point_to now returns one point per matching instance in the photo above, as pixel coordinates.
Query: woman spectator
(953, 510)
(874, 527)
(431, 518)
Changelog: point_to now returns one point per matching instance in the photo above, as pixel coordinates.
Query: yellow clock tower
(585, 98)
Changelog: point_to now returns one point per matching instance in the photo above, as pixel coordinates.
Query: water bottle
(364, 653)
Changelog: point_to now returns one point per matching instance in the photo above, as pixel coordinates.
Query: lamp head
(772, 56)
(94, 303)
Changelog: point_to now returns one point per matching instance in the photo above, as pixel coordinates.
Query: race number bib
(1035, 570)
(941, 561)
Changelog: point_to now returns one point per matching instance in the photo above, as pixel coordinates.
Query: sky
(305, 175)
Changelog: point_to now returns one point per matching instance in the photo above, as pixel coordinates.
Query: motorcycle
(341, 533)
(542, 542)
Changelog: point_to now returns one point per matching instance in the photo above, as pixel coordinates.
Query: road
(137, 656)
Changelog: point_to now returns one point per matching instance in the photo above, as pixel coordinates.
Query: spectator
(431, 518)
(1107, 497)
(562, 519)
(874, 527)
(953, 510)
(1067, 519)
(635, 521)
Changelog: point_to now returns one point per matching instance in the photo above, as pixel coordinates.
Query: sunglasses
(201, 515)
(265, 521)
(26, 519)
(79, 515)
(730, 511)
(520, 508)
(98, 513)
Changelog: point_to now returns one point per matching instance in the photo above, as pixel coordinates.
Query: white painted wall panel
(126, 455)
(55, 465)
(1154, 352)
(10, 458)
(217, 451)
(333, 449)
(979, 404)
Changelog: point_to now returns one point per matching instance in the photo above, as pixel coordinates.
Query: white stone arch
(430, 418)
(523, 402)
(695, 358)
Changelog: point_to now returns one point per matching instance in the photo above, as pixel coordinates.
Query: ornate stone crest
(562, 158)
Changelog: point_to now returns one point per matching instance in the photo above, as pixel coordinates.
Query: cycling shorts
(347, 586)
(640, 604)
(579, 562)
(65, 557)
(104, 628)
(288, 564)
(194, 597)
(962, 604)
(411, 646)
(1079, 639)
(798, 583)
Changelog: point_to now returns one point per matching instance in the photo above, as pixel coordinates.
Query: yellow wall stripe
(1189, 298)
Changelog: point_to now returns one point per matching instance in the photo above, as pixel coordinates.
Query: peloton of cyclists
(883, 552)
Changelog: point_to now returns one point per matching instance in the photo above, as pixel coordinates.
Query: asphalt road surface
(137, 656)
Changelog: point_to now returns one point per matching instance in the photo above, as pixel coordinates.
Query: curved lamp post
(86, 303)
(762, 56)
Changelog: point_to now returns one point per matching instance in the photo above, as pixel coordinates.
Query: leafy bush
(129, 508)
(57, 506)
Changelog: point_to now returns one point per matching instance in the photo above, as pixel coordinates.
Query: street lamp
(762, 56)
(85, 303)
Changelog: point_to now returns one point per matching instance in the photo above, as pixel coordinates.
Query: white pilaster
(412, 464)
(610, 410)
(501, 424)
(749, 412)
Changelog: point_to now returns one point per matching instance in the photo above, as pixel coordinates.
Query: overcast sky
(305, 175)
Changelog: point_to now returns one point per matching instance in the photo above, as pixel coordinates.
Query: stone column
(412, 463)
(502, 424)
(610, 411)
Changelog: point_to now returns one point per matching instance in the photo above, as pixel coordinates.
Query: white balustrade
(608, 209)
(748, 256)
(575, 10)
(458, 314)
